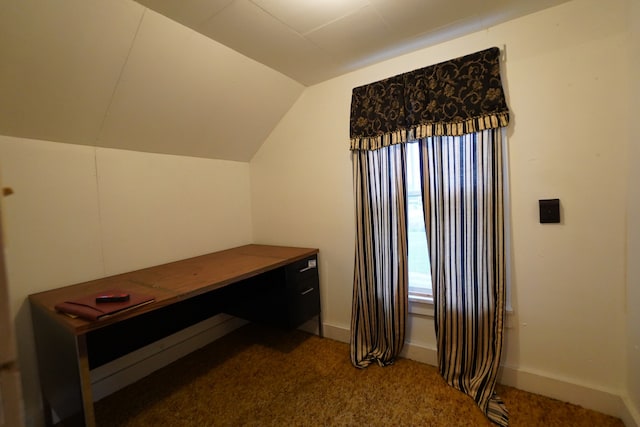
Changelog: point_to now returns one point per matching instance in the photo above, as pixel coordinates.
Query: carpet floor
(257, 376)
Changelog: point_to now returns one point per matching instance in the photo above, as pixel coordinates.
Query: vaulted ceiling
(314, 40)
(203, 78)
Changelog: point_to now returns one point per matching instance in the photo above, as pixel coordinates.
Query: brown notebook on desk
(87, 307)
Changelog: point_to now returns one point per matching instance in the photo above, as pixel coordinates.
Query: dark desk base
(285, 297)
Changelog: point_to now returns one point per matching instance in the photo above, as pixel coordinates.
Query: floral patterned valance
(456, 97)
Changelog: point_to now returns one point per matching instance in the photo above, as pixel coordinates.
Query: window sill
(421, 305)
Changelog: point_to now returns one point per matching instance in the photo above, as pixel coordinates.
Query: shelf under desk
(272, 284)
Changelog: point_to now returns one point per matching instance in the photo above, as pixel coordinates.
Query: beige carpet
(258, 376)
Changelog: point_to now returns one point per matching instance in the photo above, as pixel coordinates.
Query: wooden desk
(273, 284)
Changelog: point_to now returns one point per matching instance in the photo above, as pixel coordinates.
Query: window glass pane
(419, 266)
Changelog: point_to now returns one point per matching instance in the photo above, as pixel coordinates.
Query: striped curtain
(456, 109)
(380, 291)
(463, 205)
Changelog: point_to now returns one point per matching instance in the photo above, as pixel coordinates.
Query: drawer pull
(306, 292)
(310, 265)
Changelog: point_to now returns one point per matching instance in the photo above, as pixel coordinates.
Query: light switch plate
(549, 211)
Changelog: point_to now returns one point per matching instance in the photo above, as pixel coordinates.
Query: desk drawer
(286, 297)
(301, 271)
(303, 302)
(303, 290)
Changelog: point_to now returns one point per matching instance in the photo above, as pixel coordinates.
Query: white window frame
(413, 190)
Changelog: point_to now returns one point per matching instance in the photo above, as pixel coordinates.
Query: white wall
(633, 217)
(78, 213)
(566, 75)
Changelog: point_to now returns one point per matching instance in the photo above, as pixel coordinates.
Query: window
(420, 288)
(419, 265)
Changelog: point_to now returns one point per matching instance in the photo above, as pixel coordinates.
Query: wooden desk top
(172, 282)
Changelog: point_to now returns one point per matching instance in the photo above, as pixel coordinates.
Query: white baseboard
(336, 332)
(595, 399)
(604, 401)
(420, 353)
(134, 366)
(588, 397)
(632, 419)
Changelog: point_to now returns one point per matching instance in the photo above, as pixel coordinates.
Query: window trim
(421, 294)
(421, 305)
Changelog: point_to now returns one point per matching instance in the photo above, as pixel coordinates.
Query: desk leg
(85, 382)
(48, 419)
(64, 371)
(320, 331)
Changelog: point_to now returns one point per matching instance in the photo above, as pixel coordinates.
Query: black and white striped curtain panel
(462, 197)
(380, 291)
(456, 110)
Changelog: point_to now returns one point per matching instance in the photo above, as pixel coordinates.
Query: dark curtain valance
(456, 97)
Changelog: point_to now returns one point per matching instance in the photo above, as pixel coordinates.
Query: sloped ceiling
(116, 74)
(203, 78)
(315, 40)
